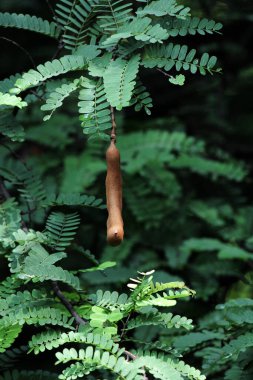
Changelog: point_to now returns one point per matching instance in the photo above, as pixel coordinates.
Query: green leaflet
(167, 320)
(32, 308)
(73, 199)
(61, 229)
(192, 25)
(10, 218)
(55, 98)
(180, 57)
(179, 80)
(7, 83)
(193, 339)
(98, 65)
(32, 23)
(11, 100)
(112, 14)
(7, 336)
(110, 300)
(40, 316)
(52, 339)
(165, 368)
(141, 29)
(23, 300)
(39, 266)
(102, 266)
(90, 359)
(74, 17)
(9, 285)
(10, 127)
(165, 7)
(141, 98)
(94, 109)
(48, 70)
(27, 180)
(119, 81)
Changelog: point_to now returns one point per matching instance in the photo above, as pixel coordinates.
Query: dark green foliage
(228, 341)
(187, 203)
(32, 23)
(179, 57)
(61, 229)
(74, 17)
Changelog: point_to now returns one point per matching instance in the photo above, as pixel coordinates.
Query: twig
(37, 95)
(67, 304)
(130, 355)
(113, 130)
(163, 72)
(21, 48)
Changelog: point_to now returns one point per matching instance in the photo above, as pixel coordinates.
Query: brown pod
(113, 184)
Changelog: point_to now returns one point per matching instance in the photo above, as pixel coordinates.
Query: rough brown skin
(113, 184)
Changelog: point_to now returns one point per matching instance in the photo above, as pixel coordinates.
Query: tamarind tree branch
(164, 73)
(57, 291)
(129, 355)
(113, 130)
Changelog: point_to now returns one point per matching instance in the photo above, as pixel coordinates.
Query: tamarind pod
(113, 183)
(115, 231)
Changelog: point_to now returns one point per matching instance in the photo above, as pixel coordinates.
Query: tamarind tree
(108, 44)
(47, 300)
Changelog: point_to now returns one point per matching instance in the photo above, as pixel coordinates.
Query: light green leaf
(11, 100)
(178, 80)
(119, 81)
